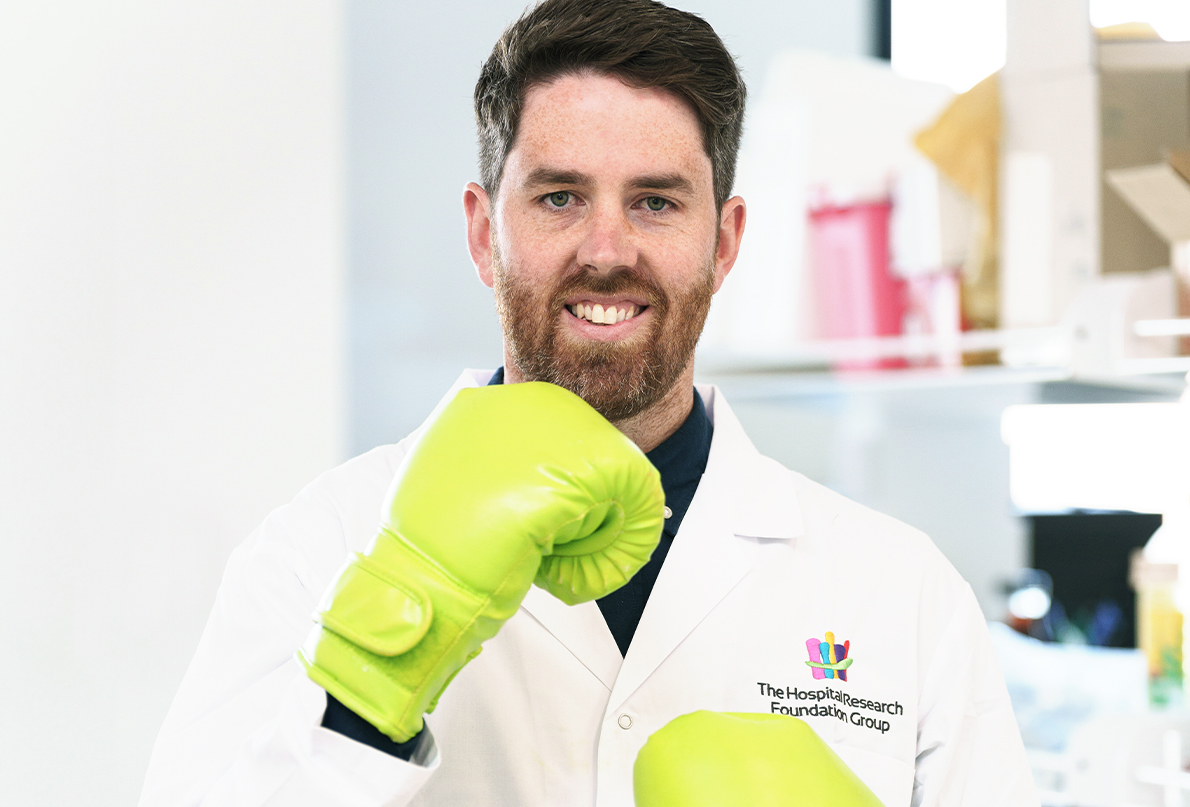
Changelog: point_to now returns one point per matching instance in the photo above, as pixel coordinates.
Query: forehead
(597, 125)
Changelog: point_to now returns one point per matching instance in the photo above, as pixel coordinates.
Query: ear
(477, 207)
(731, 233)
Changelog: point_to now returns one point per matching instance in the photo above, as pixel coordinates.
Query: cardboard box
(1144, 114)
(1159, 195)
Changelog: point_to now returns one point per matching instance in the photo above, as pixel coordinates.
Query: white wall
(171, 348)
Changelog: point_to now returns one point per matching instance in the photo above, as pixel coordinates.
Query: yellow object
(964, 143)
(1128, 30)
(508, 486)
(1159, 628)
(722, 759)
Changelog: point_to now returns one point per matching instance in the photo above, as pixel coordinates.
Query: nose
(607, 243)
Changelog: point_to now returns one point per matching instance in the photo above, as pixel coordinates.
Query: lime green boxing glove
(508, 486)
(712, 759)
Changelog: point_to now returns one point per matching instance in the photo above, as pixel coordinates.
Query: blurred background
(231, 257)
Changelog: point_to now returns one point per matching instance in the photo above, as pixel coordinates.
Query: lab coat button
(625, 721)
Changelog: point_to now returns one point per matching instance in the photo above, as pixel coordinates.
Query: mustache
(622, 281)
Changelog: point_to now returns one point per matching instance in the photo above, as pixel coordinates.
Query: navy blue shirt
(681, 461)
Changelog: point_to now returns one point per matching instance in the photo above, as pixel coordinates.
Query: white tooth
(597, 313)
(622, 314)
(630, 313)
(609, 315)
(583, 311)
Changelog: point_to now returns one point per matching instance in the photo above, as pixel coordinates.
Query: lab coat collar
(763, 494)
(743, 495)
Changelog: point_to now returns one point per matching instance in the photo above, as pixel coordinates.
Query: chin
(619, 383)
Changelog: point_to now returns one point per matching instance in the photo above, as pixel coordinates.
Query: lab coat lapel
(742, 495)
(704, 563)
(581, 629)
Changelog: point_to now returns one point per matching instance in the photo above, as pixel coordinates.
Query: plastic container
(1159, 629)
(856, 292)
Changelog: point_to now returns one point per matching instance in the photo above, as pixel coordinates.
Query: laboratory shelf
(745, 382)
(753, 378)
(945, 348)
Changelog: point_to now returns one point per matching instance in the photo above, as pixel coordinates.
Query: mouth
(610, 314)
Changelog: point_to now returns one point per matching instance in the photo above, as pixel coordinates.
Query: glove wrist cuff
(392, 630)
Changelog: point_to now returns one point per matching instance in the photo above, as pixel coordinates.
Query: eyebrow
(554, 176)
(656, 182)
(664, 182)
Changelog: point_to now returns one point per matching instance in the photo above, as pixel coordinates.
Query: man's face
(604, 241)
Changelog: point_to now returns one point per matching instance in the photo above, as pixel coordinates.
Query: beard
(619, 379)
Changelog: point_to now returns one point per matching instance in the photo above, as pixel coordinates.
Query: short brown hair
(641, 42)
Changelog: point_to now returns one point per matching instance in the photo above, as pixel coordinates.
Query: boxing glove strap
(386, 646)
(383, 614)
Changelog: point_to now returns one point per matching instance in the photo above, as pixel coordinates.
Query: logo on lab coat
(827, 659)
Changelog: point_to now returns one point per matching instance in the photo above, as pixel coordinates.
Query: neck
(650, 428)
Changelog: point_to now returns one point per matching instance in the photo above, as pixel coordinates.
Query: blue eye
(559, 199)
(656, 203)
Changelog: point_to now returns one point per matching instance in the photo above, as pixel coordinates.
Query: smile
(597, 314)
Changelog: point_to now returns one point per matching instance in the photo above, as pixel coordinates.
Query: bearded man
(812, 646)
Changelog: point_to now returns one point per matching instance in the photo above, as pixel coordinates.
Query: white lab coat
(549, 715)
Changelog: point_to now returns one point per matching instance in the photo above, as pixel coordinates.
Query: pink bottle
(856, 293)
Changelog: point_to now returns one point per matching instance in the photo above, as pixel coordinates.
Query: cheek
(694, 243)
(685, 262)
(531, 247)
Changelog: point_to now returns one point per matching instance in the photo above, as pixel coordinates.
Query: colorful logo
(827, 659)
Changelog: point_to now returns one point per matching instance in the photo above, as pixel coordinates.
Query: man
(604, 223)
